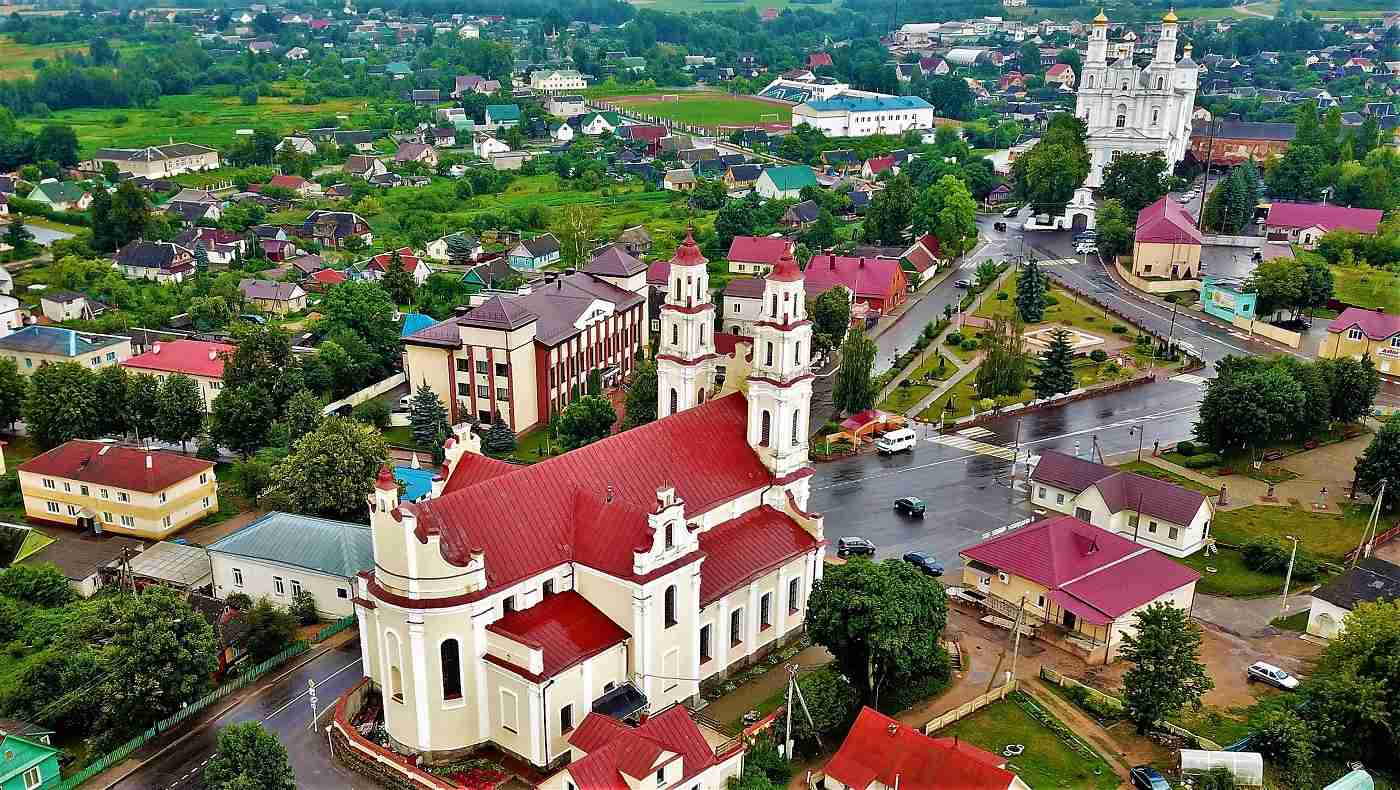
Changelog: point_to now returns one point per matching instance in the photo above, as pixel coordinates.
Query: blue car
(1145, 777)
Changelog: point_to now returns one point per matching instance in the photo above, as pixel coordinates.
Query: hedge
(23, 206)
(1202, 461)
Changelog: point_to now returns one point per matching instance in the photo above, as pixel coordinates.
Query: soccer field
(708, 109)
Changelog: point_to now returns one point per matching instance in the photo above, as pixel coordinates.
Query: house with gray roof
(1373, 579)
(272, 296)
(283, 554)
(158, 161)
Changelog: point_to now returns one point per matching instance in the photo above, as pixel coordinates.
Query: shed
(82, 560)
(1246, 767)
(174, 564)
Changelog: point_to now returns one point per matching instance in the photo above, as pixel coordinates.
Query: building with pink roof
(877, 283)
(1358, 333)
(1305, 223)
(1166, 243)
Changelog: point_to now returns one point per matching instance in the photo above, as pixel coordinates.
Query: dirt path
(739, 701)
(1088, 729)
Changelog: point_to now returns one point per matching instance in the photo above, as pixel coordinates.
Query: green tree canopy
(331, 471)
(831, 313)
(62, 404)
(179, 410)
(1031, 288)
(855, 389)
(1381, 461)
(248, 757)
(162, 658)
(1055, 373)
(641, 395)
(427, 415)
(585, 421)
(1166, 675)
(1136, 180)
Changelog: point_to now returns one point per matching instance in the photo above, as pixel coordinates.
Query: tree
(399, 281)
(1166, 674)
(270, 629)
(854, 390)
(110, 391)
(1248, 405)
(640, 406)
(459, 249)
(161, 658)
(427, 415)
(39, 585)
(1136, 180)
(302, 415)
(585, 421)
(956, 222)
(210, 313)
(363, 309)
(330, 471)
(1116, 229)
(131, 213)
(249, 757)
(831, 313)
(736, 218)
(303, 608)
(1031, 293)
(833, 703)
(262, 357)
(1354, 386)
(1279, 284)
(1380, 461)
(57, 142)
(499, 438)
(61, 404)
(574, 227)
(103, 239)
(1298, 174)
(1046, 176)
(986, 273)
(1352, 697)
(241, 418)
(14, 388)
(1003, 369)
(821, 234)
(1285, 740)
(180, 410)
(143, 404)
(890, 213)
(18, 236)
(1055, 374)
(882, 621)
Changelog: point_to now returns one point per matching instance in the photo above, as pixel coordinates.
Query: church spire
(686, 359)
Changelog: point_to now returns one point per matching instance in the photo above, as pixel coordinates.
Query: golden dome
(1101, 19)
(1171, 16)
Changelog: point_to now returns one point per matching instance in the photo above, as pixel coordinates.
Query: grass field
(1226, 574)
(1070, 310)
(1047, 762)
(17, 60)
(708, 108)
(1157, 473)
(1324, 535)
(1368, 287)
(193, 118)
(701, 6)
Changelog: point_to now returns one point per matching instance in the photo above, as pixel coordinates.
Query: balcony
(622, 703)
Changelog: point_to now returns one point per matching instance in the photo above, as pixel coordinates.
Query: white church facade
(1132, 109)
(533, 607)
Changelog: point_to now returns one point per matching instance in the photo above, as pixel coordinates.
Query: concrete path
(964, 370)
(1247, 617)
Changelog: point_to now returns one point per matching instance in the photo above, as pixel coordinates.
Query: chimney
(460, 309)
(610, 493)
(862, 261)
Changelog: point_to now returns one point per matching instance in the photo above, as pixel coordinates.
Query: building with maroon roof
(1152, 512)
(1166, 243)
(375, 268)
(150, 494)
(878, 283)
(1305, 223)
(200, 360)
(880, 752)
(1358, 333)
(757, 255)
(1076, 581)
(513, 600)
(923, 258)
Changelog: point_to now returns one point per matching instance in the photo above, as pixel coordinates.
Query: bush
(240, 601)
(1051, 301)
(1267, 555)
(1202, 461)
(1119, 329)
(303, 608)
(968, 345)
(954, 339)
(40, 585)
(1001, 296)
(833, 703)
(270, 630)
(1186, 447)
(373, 411)
(1098, 355)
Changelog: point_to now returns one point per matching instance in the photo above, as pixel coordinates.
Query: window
(1122, 120)
(501, 393)
(205, 503)
(33, 778)
(451, 656)
(1059, 499)
(670, 606)
(1160, 82)
(165, 521)
(53, 507)
(566, 719)
(768, 355)
(1395, 342)
(128, 521)
(277, 586)
(342, 593)
(463, 366)
(1156, 111)
(661, 776)
(1041, 494)
(547, 589)
(502, 369)
(704, 643)
(237, 577)
(1083, 514)
(736, 627)
(72, 510)
(796, 428)
(83, 490)
(483, 391)
(675, 334)
(203, 478)
(1133, 520)
(765, 611)
(509, 711)
(67, 486)
(1172, 532)
(49, 484)
(107, 516)
(393, 658)
(675, 399)
(1003, 578)
(482, 367)
(508, 604)
(103, 492)
(797, 353)
(1152, 527)
(162, 496)
(794, 592)
(766, 429)
(123, 496)
(1352, 334)
(1091, 80)
(670, 537)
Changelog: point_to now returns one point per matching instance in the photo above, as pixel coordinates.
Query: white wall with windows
(279, 583)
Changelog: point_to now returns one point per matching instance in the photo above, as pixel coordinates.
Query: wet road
(283, 708)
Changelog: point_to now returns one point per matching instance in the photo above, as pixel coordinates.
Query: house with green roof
(26, 764)
(61, 195)
(785, 182)
(398, 70)
(634, 63)
(283, 554)
(595, 123)
(502, 116)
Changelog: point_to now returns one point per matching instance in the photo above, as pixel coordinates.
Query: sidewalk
(747, 697)
(965, 369)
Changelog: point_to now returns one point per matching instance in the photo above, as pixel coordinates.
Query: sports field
(709, 108)
(729, 5)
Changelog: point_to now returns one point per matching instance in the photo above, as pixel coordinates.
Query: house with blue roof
(283, 554)
(412, 322)
(848, 115)
(36, 345)
(27, 764)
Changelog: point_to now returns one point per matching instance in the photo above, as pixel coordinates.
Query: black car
(999, 227)
(924, 562)
(1145, 777)
(963, 284)
(852, 547)
(910, 506)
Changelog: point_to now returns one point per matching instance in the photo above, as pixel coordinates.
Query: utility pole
(1016, 456)
(1138, 429)
(1288, 579)
(1016, 639)
(1368, 535)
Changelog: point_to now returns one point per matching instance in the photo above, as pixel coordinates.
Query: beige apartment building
(37, 345)
(158, 161)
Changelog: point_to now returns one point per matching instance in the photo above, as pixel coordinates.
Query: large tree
(1136, 180)
(180, 410)
(1004, 368)
(855, 390)
(1116, 228)
(1248, 405)
(1166, 675)
(241, 418)
(585, 421)
(1031, 288)
(14, 388)
(262, 356)
(270, 629)
(363, 310)
(62, 404)
(249, 756)
(1046, 176)
(1354, 386)
(831, 314)
(1055, 373)
(575, 227)
(640, 406)
(1352, 698)
(329, 471)
(427, 415)
(890, 213)
(882, 621)
(399, 281)
(162, 657)
(143, 404)
(956, 222)
(1380, 461)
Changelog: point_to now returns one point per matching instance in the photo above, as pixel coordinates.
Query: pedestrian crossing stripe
(975, 432)
(974, 446)
(1189, 378)
(1058, 262)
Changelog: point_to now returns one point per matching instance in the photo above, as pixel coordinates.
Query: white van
(896, 441)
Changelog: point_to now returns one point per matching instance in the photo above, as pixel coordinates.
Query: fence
(975, 704)
(243, 679)
(1110, 701)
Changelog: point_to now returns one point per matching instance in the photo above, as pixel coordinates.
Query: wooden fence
(967, 708)
(1110, 701)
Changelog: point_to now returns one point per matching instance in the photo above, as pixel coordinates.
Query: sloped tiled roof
(758, 249)
(335, 548)
(191, 357)
(884, 750)
(615, 751)
(1375, 324)
(614, 261)
(1166, 222)
(1065, 471)
(1283, 214)
(869, 277)
(742, 549)
(117, 466)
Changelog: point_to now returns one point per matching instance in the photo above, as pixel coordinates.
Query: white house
(282, 554)
(1372, 579)
(1169, 518)
(556, 80)
(566, 105)
(561, 133)
(302, 145)
(862, 116)
(439, 249)
(485, 146)
(599, 122)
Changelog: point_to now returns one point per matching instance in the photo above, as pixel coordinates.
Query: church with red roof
(541, 608)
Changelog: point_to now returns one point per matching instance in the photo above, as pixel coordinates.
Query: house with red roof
(875, 166)
(1358, 333)
(510, 601)
(757, 255)
(1079, 584)
(375, 268)
(1306, 223)
(1152, 512)
(877, 283)
(1166, 243)
(1061, 74)
(321, 280)
(818, 59)
(880, 753)
(200, 360)
(295, 184)
(922, 259)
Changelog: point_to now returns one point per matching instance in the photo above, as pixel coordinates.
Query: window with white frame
(53, 507)
(279, 587)
(33, 778)
(237, 577)
(128, 521)
(510, 713)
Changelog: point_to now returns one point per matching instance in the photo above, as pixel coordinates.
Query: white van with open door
(896, 441)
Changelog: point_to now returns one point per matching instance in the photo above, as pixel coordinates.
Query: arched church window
(797, 353)
(674, 400)
(1160, 83)
(1156, 112)
(1091, 80)
(796, 428)
(394, 658)
(768, 356)
(766, 427)
(1122, 116)
(675, 334)
(1125, 85)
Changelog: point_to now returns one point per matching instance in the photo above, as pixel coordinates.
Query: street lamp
(1288, 579)
(1138, 429)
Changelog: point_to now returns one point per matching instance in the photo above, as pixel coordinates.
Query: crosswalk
(1189, 378)
(971, 445)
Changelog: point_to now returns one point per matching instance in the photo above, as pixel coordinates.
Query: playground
(708, 108)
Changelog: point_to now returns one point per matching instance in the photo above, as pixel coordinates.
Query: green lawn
(1070, 310)
(1296, 622)
(1047, 763)
(1230, 576)
(1240, 463)
(1148, 470)
(709, 108)
(1326, 536)
(1364, 286)
(703, 6)
(964, 395)
(1222, 725)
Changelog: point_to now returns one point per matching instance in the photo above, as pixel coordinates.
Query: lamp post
(1138, 429)
(1288, 579)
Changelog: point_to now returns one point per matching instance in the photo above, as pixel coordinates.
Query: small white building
(862, 116)
(485, 146)
(566, 106)
(1372, 579)
(555, 80)
(282, 554)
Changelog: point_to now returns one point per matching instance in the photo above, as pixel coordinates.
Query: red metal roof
(759, 249)
(1057, 69)
(327, 276)
(688, 254)
(658, 273)
(866, 277)
(786, 270)
(614, 749)
(923, 253)
(1323, 215)
(287, 182)
(742, 549)
(879, 748)
(1375, 324)
(1166, 222)
(1138, 580)
(1062, 470)
(1120, 490)
(879, 164)
(407, 260)
(538, 516)
(566, 627)
(116, 466)
(726, 343)
(190, 357)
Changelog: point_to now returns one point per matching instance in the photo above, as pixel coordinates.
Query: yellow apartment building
(1358, 333)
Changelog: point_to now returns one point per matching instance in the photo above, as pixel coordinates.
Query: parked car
(924, 562)
(853, 546)
(895, 441)
(1086, 235)
(406, 403)
(910, 506)
(1268, 673)
(999, 227)
(1011, 212)
(963, 284)
(1145, 777)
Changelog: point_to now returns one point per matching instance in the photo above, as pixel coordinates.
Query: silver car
(1268, 673)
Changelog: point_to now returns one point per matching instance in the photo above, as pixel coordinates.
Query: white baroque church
(538, 609)
(1131, 109)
